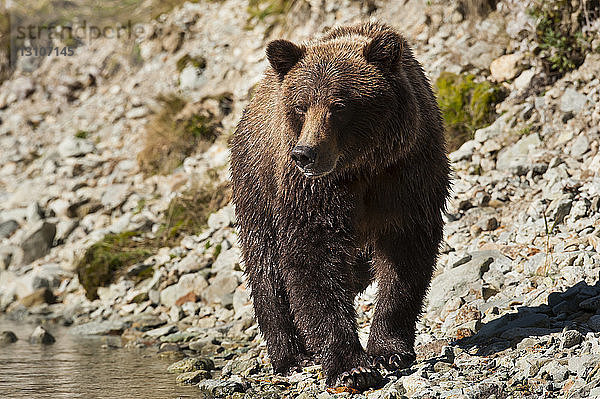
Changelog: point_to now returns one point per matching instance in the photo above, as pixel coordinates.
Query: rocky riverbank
(86, 173)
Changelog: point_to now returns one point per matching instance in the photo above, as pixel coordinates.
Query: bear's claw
(359, 378)
(396, 361)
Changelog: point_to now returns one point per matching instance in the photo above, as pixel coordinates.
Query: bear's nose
(304, 155)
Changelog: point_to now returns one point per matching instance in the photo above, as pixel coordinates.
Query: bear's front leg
(321, 300)
(272, 311)
(404, 264)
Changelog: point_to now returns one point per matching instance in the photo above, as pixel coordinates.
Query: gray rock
(75, 147)
(221, 288)
(191, 282)
(193, 377)
(191, 364)
(227, 260)
(572, 101)
(580, 146)
(105, 327)
(220, 388)
(38, 243)
(570, 338)
(516, 156)
(34, 212)
(559, 208)
(161, 331)
(219, 219)
(455, 282)
(115, 195)
(7, 337)
(41, 336)
(7, 228)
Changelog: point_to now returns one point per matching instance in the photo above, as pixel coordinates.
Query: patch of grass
(82, 134)
(259, 10)
(196, 62)
(188, 212)
(560, 34)
(172, 135)
(103, 260)
(107, 260)
(466, 105)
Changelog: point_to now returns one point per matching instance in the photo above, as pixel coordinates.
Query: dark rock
(38, 243)
(7, 228)
(7, 337)
(41, 336)
(38, 297)
(191, 364)
(193, 377)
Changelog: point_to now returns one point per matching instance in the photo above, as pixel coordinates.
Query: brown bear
(340, 177)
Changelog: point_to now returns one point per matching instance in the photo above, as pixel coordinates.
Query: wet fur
(311, 245)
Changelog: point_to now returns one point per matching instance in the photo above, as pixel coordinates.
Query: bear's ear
(283, 55)
(384, 50)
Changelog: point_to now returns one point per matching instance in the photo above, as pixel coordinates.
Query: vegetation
(560, 34)
(196, 62)
(107, 260)
(108, 257)
(259, 10)
(172, 136)
(466, 105)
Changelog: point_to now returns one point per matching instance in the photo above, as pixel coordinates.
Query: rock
(38, 297)
(7, 337)
(7, 228)
(505, 67)
(488, 223)
(161, 331)
(227, 260)
(115, 195)
(465, 152)
(221, 288)
(41, 336)
(191, 364)
(559, 209)
(220, 388)
(103, 327)
(241, 303)
(193, 377)
(220, 219)
(572, 101)
(455, 282)
(191, 282)
(570, 338)
(515, 157)
(523, 81)
(39, 242)
(75, 147)
(34, 212)
(190, 78)
(580, 146)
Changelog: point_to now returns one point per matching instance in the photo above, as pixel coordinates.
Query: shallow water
(82, 367)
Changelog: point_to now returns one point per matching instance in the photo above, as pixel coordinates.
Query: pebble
(41, 336)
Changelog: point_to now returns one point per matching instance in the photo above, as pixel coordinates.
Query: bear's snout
(304, 156)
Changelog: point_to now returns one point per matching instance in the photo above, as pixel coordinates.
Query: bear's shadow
(569, 309)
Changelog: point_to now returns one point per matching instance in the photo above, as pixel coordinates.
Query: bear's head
(336, 95)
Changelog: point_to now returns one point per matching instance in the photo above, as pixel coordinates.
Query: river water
(82, 367)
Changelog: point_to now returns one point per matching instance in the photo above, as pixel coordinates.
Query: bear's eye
(338, 106)
(300, 109)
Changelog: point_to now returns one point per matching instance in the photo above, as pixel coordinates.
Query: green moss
(196, 62)
(81, 134)
(466, 105)
(559, 32)
(217, 251)
(104, 260)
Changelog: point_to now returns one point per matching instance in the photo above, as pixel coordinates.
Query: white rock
(75, 147)
(572, 101)
(505, 67)
(524, 79)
